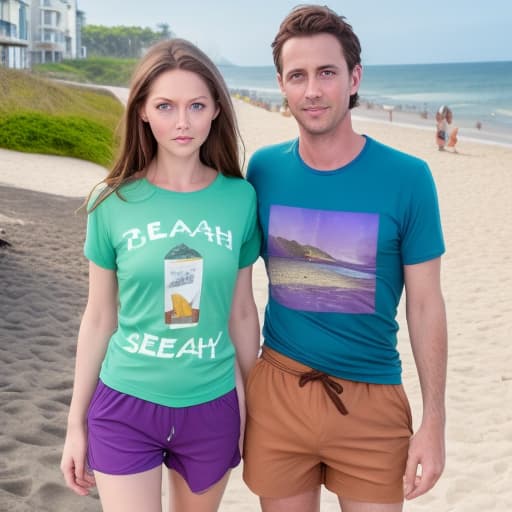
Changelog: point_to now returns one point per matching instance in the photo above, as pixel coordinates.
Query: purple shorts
(127, 435)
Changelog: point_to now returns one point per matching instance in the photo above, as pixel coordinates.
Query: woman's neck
(178, 174)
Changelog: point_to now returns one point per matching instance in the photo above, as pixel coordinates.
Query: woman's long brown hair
(221, 150)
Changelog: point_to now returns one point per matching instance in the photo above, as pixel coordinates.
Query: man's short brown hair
(310, 20)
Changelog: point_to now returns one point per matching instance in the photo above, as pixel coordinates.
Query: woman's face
(180, 110)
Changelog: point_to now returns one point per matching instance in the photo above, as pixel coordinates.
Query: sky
(391, 31)
(315, 227)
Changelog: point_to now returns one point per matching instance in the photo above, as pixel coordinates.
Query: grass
(76, 137)
(41, 116)
(93, 70)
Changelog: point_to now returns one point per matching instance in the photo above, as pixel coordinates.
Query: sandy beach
(43, 285)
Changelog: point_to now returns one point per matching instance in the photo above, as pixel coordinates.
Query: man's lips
(314, 109)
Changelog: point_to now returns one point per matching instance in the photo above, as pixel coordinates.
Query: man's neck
(327, 152)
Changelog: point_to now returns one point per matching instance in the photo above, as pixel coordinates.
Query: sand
(43, 290)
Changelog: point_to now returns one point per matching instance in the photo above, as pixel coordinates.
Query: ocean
(477, 92)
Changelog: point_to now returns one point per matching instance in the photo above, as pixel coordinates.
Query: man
(348, 222)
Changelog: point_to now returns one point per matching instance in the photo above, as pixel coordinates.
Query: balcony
(9, 34)
(8, 29)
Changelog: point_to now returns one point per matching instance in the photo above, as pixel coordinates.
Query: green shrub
(93, 70)
(71, 136)
(58, 118)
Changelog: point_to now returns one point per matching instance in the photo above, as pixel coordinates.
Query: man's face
(316, 82)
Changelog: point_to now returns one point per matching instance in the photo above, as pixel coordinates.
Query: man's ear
(357, 75)
(280, 82)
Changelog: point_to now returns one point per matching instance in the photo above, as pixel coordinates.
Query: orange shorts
(297, 438)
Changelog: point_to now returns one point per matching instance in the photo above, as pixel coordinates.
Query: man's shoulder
(393, 155)
(397, 170)
(264, 161)
(274, 151)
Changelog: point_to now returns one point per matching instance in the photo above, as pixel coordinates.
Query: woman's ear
(143, 116)
(217, 112)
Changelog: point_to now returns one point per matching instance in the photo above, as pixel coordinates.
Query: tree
(165, 30)
(121, 41)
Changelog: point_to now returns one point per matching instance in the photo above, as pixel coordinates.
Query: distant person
(452, 131)
(284, 110)
(347, 222)
(441, 127)
(446, 133)
(170, 325)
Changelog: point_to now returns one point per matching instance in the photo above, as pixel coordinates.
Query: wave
(439, 96)
(503, 112)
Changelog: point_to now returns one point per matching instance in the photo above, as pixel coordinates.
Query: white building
(55, 31)
(38, 31)
(14, 33)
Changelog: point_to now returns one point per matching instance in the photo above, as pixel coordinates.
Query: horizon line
(231, 64)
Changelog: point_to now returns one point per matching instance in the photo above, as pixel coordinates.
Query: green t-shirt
(176, 256)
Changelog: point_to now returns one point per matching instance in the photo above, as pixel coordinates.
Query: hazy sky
(391, 31)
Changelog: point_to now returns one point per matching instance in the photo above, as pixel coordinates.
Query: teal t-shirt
(335, 243)
(176, 256)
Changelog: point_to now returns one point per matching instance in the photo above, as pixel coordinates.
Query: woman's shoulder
(236, 192)
(240, 185)
(108, 196)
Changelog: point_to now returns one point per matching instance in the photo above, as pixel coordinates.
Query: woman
(171, 238)
(441, 127)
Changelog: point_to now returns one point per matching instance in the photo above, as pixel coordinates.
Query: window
(47, 18)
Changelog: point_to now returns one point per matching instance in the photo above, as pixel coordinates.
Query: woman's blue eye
(163, 106)
(197, 106)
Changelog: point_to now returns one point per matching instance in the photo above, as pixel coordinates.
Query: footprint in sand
(63, 399)
(14, 388)
(45, 436)
(62, 316)
(43, 341)
(12, 327)
(58, 498)
(19, 487)
(43, 355)
(55, 430)
(16, 318)
(15, 481)
(60, 386)
(49, 406)
(14, 408)
(50, 460)
(500, 467)
(4, 382)
(7, 446)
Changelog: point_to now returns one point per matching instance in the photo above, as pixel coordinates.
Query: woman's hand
(73, 462)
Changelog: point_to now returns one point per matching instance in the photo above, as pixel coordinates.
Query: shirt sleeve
(98, 246)
(422, 235)
(250, 249)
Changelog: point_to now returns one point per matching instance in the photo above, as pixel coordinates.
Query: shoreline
(489, 133)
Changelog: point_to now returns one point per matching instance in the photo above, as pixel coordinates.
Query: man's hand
(425, 461)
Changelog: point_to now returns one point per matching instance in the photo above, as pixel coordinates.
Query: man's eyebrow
(319, 68)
